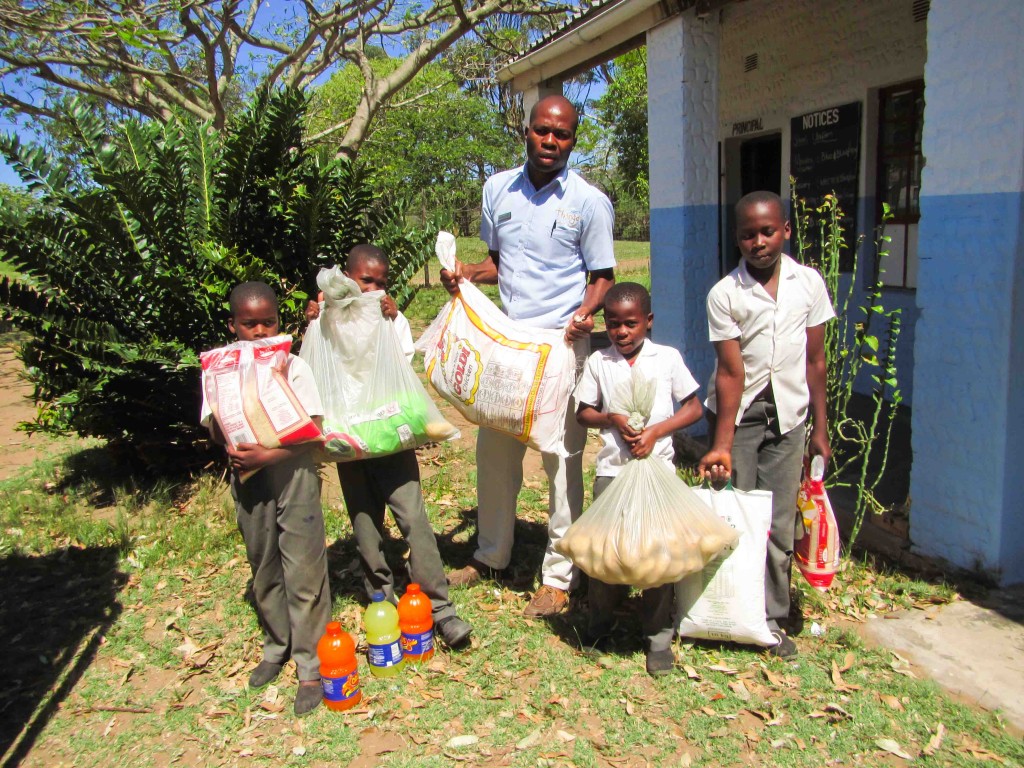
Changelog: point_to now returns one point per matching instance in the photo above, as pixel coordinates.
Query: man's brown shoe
(547, 601)
(471, 573)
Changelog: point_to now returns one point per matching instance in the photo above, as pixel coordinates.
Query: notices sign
(825, 158)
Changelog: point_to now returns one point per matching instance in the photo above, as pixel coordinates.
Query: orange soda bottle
(415, 618)
(339, 674)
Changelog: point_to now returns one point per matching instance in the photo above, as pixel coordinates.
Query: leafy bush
(120, 279)
(863, 340)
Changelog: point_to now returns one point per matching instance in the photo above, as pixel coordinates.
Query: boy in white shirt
(767, 319)
(628, 318)
(370, 485)
(280, 518)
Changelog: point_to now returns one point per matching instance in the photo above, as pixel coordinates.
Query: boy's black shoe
(660, 662)
(786, 648)
(264, 674)
(308, 697)
(454, 631)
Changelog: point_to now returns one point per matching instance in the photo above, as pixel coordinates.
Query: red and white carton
(247, 388)
(816, 550)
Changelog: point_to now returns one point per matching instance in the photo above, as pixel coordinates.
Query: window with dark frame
(900, 122)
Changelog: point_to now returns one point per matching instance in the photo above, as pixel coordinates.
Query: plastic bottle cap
(334, 628)
(378, 597)
(413, 589)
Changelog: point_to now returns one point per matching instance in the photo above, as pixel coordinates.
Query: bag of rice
(498, 373)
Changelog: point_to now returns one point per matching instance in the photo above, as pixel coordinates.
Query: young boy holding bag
(280, 518)
(369, 485)
(766, 320)
(628, 318)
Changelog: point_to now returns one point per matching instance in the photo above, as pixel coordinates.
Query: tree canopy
(156, 58)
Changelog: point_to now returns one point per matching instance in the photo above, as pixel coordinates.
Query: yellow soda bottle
(380, 622)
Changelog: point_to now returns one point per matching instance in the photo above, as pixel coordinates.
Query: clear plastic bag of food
(374, 403)
(648, 528)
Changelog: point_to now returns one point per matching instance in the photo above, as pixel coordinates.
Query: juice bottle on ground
(339, 674)
(415, 619)
(380, 620)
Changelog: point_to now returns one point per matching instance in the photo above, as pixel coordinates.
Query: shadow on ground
(54, 611)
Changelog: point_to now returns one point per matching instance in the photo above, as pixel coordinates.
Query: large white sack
(497, 372)
(725, 601)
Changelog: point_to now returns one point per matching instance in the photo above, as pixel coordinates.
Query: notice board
(824, 158)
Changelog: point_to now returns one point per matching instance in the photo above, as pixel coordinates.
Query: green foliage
(615, 145)
(862, 341)
(438, 141)
(120, 279)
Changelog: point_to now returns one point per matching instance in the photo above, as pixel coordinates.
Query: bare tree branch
(156, 57)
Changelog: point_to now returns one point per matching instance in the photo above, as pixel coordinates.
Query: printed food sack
(648, 528)
(725, 601)
(498, 373)
(816, 549)
(374, 403)
(246, 387)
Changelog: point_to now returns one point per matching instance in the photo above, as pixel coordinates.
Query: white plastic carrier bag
(497, 372)
(246, 386)
(648, 528)
(374, 403)
(725, 601)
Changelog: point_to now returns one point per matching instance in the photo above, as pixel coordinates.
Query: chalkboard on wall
(825, 158)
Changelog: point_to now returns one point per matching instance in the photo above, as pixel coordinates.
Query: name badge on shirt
(502, 217)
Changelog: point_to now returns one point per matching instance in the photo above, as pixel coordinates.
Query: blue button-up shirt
(547, 241)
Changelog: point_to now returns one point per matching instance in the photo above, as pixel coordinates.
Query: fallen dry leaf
(529, 740)
(466, 740)
(892, 747)
(723, 669)
(892, 702)
(740, 690)
(691, 673)
(837, 679)
(935, 742)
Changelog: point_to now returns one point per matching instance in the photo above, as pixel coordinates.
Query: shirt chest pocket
(565, 238)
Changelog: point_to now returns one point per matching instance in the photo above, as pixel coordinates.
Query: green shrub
(861, 341)
(120, 274)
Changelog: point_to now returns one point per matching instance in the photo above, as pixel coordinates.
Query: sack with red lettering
(374, 403)
(497, 372)
(246, 387)
(816, 549)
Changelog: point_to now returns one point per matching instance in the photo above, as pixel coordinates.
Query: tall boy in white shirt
(767, 319)
(628, 318)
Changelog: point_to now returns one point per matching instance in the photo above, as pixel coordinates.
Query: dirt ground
(19, 448)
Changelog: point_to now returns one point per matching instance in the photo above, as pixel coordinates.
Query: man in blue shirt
(550, 251)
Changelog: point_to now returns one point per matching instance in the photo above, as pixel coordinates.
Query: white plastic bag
(498, 373)
(247, 390)
(648, 528)
(374, 404)
(725, 601)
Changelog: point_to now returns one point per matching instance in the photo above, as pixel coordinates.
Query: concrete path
(973, 649)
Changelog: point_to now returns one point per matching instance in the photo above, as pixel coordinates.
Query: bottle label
(387, 655)
(417, 643)
(340, 688)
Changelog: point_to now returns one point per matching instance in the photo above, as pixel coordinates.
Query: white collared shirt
(772, 334)
(607, 368)
(547, 241)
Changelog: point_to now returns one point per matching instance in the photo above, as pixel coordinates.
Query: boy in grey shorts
(281, 520)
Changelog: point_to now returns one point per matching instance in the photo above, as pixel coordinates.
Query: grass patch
(158, 638)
